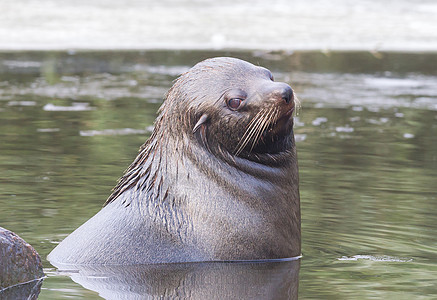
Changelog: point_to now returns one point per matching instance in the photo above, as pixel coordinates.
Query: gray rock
(19, 262)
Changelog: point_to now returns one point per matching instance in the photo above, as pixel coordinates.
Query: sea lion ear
(203, 119)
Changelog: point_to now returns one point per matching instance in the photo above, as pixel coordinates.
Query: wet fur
(209, 184)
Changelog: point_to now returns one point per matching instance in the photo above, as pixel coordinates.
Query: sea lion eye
(271, 77)
(234, 103)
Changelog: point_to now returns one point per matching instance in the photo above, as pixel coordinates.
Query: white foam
(48, 130)
(21, 103)
(376, 258)
(78, 106)
(318, 121)
(120, 131)
(344, 129)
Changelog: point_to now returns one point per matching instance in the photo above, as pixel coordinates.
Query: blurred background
(81, 81)
(208, 24)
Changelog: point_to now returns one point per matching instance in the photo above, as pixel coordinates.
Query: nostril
(287, 94)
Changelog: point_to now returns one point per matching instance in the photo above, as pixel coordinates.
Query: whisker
(247, 138)
(297, 105)
(259, 130)
(256, 127)
(264, 125)
(251, 128)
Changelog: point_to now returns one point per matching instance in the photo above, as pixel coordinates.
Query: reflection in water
(29, 290)
(216, 280)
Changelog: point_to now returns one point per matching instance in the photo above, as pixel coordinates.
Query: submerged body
(217, 180)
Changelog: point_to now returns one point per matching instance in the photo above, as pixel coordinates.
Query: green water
(70, 123)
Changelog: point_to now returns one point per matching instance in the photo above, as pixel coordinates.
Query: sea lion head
(221, 110)
(232, 107)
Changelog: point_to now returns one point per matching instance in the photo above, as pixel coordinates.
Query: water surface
(70, 123)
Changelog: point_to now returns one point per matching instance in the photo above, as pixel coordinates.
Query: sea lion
(216, 181)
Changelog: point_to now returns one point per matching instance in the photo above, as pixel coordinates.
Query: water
(207, 24)
(71, 122)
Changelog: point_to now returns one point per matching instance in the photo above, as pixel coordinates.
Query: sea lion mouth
(282, 126)
(289, 112)
(266, 129)
(286, 115)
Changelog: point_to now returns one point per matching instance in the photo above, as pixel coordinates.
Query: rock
(19, 262)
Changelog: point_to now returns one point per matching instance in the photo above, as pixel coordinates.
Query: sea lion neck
(155, 163)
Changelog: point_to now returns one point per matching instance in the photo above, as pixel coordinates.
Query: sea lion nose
(287, 93)
(279, 92)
